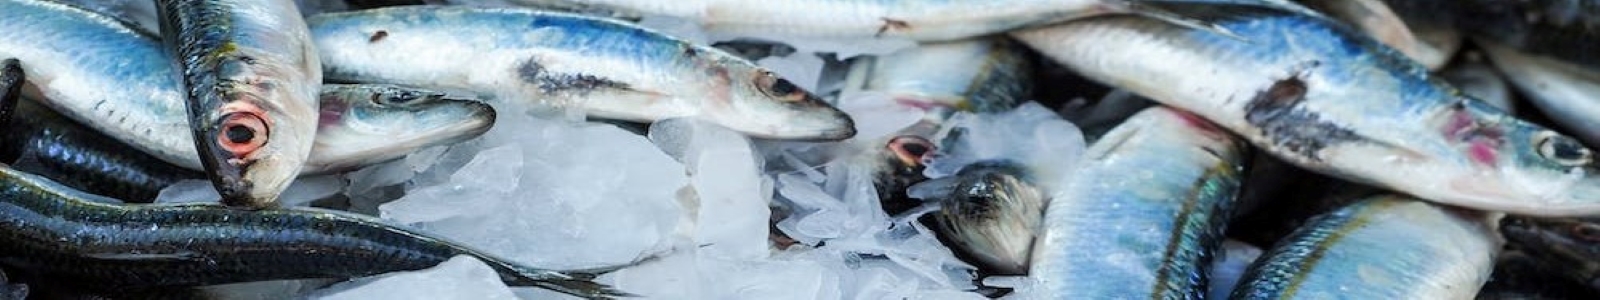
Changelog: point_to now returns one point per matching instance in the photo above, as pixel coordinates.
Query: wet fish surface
(1334, 102)
(1564, 92)
(1144, 214)
(990, 211)
(55, 147)
(117, 80)
(250, 80)
(1383, 247)
(545, 60)
(51, 230)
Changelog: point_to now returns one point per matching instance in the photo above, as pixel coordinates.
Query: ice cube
(461, 277)
(189, 191)
(306, 189)
(732, 209)
(495, 173)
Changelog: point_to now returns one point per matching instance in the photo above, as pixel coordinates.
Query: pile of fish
(799, 149)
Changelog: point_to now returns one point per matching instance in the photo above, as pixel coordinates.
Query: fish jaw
(376, 123)
(762, 104)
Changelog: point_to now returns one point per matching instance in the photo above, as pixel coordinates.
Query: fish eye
(910, 150)
(1563, 150)
(780, 88)
(242, 133)
(1586, 231)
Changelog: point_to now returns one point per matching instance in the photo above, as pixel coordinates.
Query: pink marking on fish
(1483, 151)
(917, 103)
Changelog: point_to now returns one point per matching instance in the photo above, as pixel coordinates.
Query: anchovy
(1332, 101)
(605, 68)
(250, 81)
(990, 212)
(118, 81)
(910, 19)
(361, 124)
(1569, 246)
(53, 231)
(1144, 214)
(1566, 93)
(1383, 247)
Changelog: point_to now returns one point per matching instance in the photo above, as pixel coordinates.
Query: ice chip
(876, 113)
(189, 191)
(461, 277)
(306, 189)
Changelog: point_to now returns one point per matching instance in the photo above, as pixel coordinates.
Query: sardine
(1336, 102)
(984, 75)
(911, 19)
(53, 231)
(250, 78)
(990, 211)
(1570, 95)
(1383, 247)
(118, 81)
(361, 124)
(368, 124)
(605, 68)
(1569, 246)
(1144, 214)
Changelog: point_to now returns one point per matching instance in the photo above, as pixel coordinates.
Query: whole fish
(604, 68)
(250, 78)
(116, 80)
(985, 75)
(911, 19)
(361, 124)
(1569, 94)
(1383, 247)
(1569, 246)
(1144, 214)
(990, 211)
(1335, 102)
(53, 231)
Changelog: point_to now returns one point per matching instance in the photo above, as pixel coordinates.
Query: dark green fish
(50, 230)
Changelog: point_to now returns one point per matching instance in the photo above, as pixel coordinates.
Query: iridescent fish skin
(1336, 102)
(1144, 214)
(54, 231)
(545, 60)
(118, 81)
(1383, 247)
(364, 124)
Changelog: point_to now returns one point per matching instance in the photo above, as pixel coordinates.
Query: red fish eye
(910, 149)
(242, 133)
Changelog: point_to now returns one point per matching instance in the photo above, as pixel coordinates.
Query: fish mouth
(229, 178)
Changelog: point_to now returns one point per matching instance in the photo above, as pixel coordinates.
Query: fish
(983, 75)
(1381, 247)
(1144, 214)
(361, 125)
(1564, 29)
(1332, 101)
(990, 211)
(250, 79)
(571, 6)
(54, 231)
(118, 81)
(545, 61)
(1566, 246)
(1520, 275)
(366, 124)
(1561, 90)
(903, 19)
(1378, 21)
(1433, 24)
(1482, 81)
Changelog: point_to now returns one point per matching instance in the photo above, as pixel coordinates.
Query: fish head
(256, 133)
(1572, 244)
(766, 105)
(366, 124)
(992, 210)
(1527, 168)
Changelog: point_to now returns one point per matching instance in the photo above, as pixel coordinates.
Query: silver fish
(1376, 19)
(250, 80)
(1383, 247)
(364, 124)
(1336, 102)
(118, 81)
(1565, 92)
(1144, 214)
(605, 68)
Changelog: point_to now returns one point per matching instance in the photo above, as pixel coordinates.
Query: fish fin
(578, 282)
